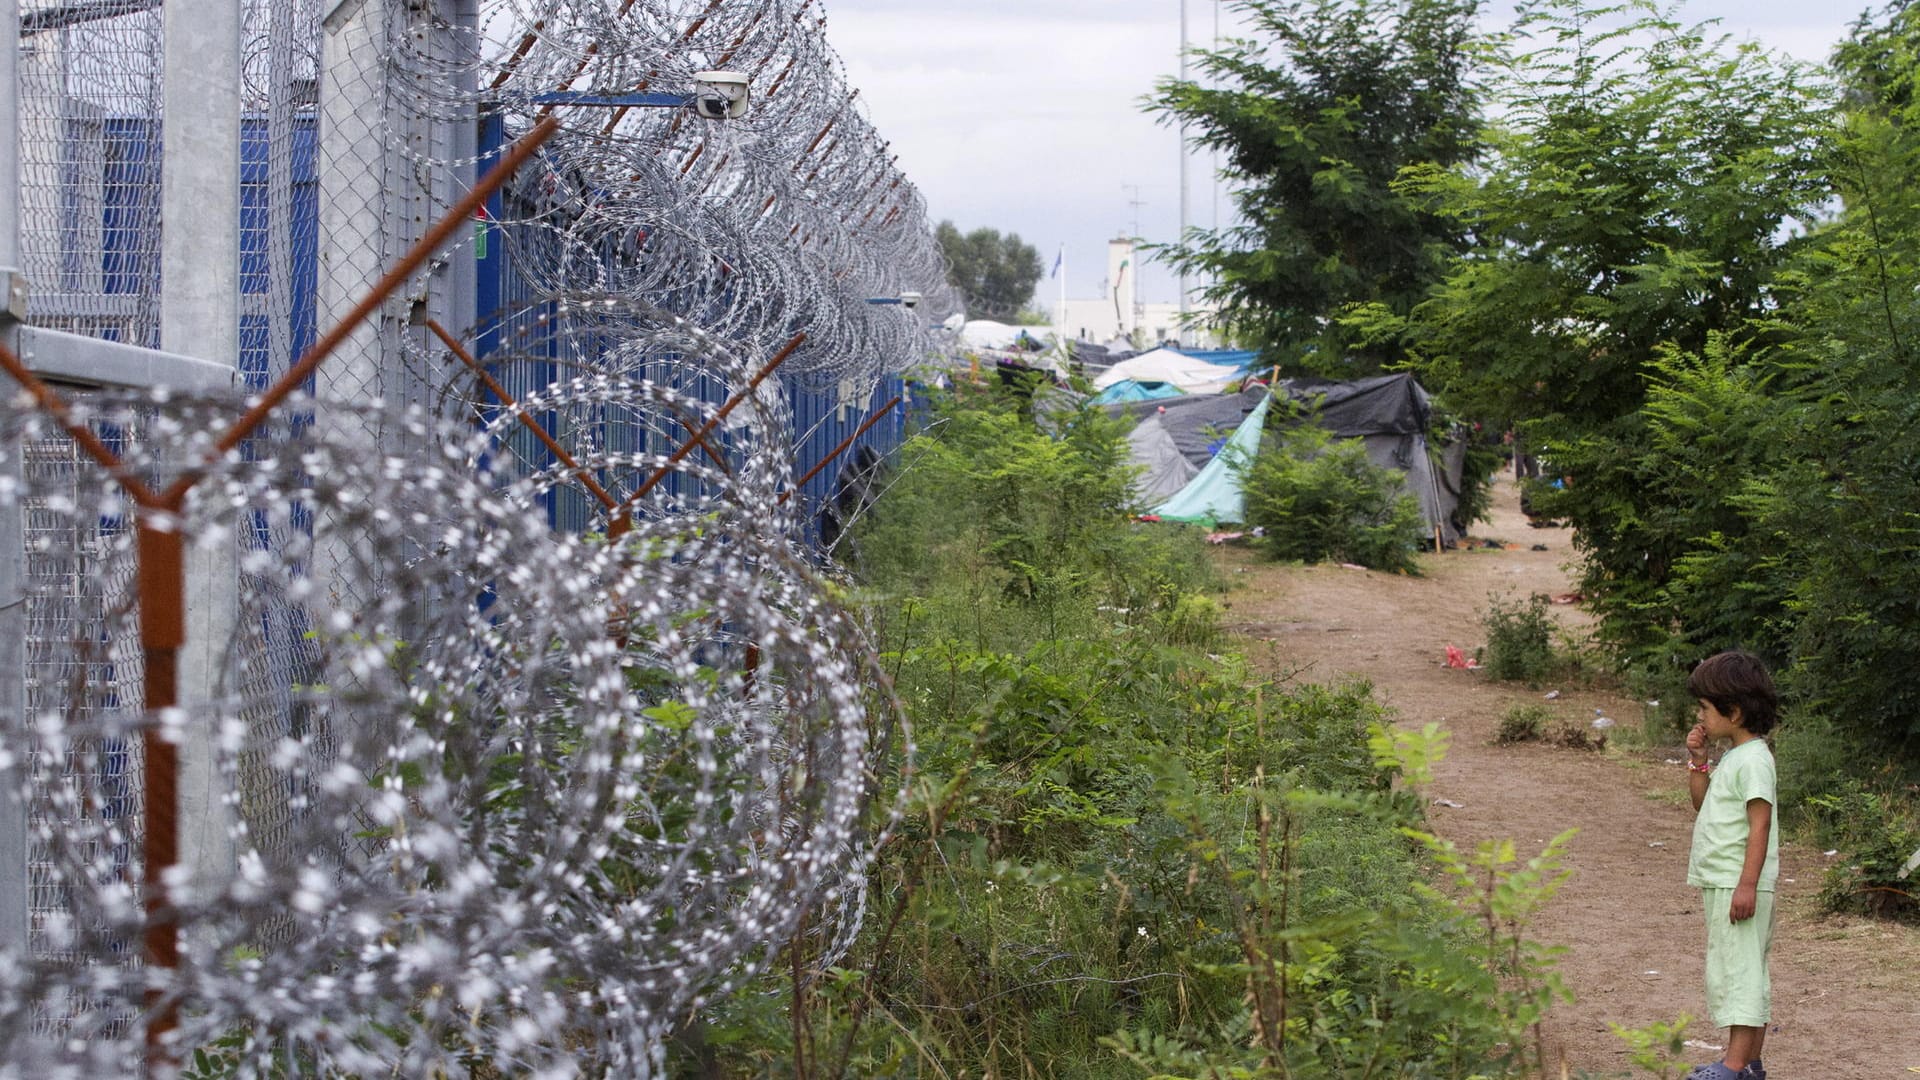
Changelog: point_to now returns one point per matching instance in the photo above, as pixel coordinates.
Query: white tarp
(987, 334)
(1167, 366)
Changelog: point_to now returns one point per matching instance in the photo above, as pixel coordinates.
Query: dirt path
(1846, 990)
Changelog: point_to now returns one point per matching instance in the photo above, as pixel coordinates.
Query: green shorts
(1739, 991)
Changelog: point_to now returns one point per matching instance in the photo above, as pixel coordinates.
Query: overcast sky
(1023, 115)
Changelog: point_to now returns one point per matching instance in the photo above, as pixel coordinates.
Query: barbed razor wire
(532, 722)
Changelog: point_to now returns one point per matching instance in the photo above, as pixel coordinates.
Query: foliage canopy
(995, 272)
(1316, 115)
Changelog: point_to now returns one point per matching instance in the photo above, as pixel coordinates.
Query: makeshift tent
(1173, 368)
(1128, 390)
(1390, 414)
(1215, 494)
(1054, 408)
(1174, 438)
(1242, 358)
(1164, 470)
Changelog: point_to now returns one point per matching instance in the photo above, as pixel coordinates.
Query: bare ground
(1846, 990)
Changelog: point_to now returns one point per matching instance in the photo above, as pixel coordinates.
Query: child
(1735, 858)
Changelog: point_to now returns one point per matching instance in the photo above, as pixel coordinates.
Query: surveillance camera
(720, 95)
(910, 299)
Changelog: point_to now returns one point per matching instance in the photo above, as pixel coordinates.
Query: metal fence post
(200, 316)
(352, 171)
(13, 605)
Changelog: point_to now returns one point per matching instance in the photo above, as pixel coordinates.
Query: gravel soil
(1846, 990)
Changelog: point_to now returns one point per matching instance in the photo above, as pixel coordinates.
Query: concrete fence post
(200, 316)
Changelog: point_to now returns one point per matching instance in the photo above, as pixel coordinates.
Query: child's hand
(1697, 742)
(1745, 899)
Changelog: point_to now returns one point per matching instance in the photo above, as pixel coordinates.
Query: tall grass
(1122, 855)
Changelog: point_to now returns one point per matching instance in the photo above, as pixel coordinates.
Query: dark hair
(1737, 679)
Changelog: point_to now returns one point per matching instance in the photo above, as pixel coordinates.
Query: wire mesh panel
(89, 114)
(279, 245)
(83, 668)
(582, 783)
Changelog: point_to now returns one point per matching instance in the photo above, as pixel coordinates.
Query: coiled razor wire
(492, 793)
(788, 221)
(547, 791)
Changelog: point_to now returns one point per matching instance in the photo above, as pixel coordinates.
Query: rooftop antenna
(1136, 202)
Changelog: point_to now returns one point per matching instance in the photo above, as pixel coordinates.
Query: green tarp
(1214, 495)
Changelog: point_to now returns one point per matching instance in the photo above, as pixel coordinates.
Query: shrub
(1519, 640)
(1575, 734)
(1880, 831)
(1522, 723)
(1318, 498)
(1192, 620)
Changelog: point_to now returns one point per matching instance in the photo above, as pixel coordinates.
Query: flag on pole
(1057, 260)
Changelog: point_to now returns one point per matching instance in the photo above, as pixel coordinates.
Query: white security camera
(910, 299)
(720, 95)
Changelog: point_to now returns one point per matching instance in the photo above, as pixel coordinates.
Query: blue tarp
(1240, 358)
(1129, 390)
(1215, 495)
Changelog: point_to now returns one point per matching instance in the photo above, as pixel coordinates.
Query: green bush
(1318, 498)
(1110, 834)
(1519, 643)
(1878, 831)
(1523, 723)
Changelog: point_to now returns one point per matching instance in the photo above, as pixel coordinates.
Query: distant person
(1735, 859)
(1525, 465)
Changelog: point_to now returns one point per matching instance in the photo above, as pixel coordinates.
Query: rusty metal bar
(527, 42)
(455, 218)
(160, 571)
(52, 404)
(841, 449)
(715, 456)
(580, 471)
(619, 526)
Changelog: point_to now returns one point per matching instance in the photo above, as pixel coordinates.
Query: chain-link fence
(389, 758)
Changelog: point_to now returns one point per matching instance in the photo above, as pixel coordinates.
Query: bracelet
(1701, 767)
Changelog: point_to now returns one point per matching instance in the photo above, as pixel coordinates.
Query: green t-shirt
(1745, 773)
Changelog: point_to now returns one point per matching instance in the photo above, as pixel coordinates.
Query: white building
(1119, 316)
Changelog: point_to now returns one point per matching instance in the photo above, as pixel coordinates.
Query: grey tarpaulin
(1390, 414)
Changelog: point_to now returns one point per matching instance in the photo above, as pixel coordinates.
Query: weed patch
(1520, 646)
(1523, 723)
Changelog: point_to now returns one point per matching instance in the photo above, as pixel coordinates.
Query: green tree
(1316, 115)
(995, 273)
(1836, 519)
(1639, 203)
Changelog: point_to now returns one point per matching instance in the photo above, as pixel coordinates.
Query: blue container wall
(526, 338)
(528, 343)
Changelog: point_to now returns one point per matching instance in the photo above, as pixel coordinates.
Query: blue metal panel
(130, 257)
(527, 343)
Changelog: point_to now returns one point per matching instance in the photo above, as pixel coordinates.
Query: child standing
(1735, 859)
